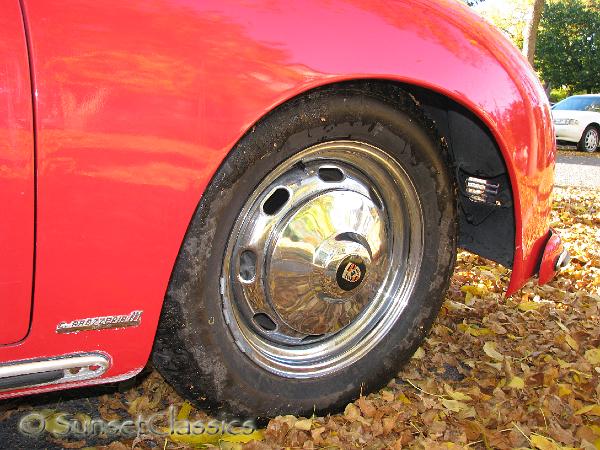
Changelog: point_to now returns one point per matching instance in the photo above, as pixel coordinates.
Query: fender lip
(554, 258)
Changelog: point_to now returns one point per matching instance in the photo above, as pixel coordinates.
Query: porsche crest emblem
(351, 273)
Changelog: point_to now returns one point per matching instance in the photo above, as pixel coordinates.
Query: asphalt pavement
(579, 169)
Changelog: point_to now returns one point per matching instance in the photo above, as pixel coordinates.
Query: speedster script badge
(133, 319)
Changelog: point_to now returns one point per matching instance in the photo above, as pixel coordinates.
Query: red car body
(115, 115)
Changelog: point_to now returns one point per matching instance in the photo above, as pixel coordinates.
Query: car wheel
(317, 259)
(590, 139)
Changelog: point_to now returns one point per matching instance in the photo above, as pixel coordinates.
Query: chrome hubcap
(322, 259)
(313, 283)
(591, 140)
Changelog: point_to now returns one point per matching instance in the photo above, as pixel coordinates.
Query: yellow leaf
(454, 405)
(229, 446)
(564, 389)
(541, 443)
(497, 366)
(482, 332)
(451, 445)
(459, 396)
(572, 342)
(184, 412)
(490, 349)
(205, 438)
(526, 305)
(563, 364)
(419, 354)
(54, 425)
(403, 398)
(473, 330)
(477, 290)
(581, 374)
(304, 424)
(590, 410)
(593, 356)
(516, 383)
(352, 412)
(455, 395)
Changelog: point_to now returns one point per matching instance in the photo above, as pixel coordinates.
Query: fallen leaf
(490, 349)
(593, 356)
(590, 410)
(304, 424)
(454, 405)
(541, 443)
(419, 354)
(352, 412)
(516, 383)
(572, 342)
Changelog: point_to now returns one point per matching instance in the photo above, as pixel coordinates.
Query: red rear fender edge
(139, 102)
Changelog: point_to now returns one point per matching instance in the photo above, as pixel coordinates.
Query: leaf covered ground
(495, 372)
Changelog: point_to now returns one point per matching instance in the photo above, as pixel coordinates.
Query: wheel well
(486, 212)
(486, 222)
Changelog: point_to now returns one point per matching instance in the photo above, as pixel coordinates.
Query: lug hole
(276, 201)
(331, 174)
(264, 321)
(247, 265)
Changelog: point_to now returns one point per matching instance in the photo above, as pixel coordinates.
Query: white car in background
(577, 120)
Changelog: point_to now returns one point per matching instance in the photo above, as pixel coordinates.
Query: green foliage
(558, 94)
(568, 45)
(508, 16)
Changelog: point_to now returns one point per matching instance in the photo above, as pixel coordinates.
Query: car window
(579, 104)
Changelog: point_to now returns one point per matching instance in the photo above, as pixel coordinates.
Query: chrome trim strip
(75, 367)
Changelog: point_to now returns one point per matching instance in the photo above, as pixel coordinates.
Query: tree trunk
(531, 28)
(547, 85)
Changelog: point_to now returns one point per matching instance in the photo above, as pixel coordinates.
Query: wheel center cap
(319, 269)
(351, 272)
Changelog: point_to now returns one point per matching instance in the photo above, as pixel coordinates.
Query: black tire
(194, 349)
(581, 145)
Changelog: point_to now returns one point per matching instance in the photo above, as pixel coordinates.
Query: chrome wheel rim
(322, 259)
(591, 140)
